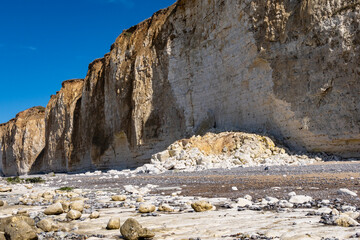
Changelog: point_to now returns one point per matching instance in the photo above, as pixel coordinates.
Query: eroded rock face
(251, 65)
(312, 49)
(21, 140)
(59, 120)
(289, 68)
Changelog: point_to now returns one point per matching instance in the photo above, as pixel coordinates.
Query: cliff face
(59, 117)
(290, 68)
(312, 48)
(21, 140)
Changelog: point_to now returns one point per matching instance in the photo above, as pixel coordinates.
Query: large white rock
(300, 199)
(346, 191)
(242, 202)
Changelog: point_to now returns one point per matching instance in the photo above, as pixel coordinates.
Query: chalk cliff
(59, 118)
(21, 140)
(288, 68)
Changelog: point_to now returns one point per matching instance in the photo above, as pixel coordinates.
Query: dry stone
(300, 199)
(242, 202)
(73, 214)
(65, 205)
(77, 205)
(165, 208)
(202, 206)
(94, 215)
(118, 198)
(6, 189)
(346, 191)
(132, 230)
(346, 221)
(54, 209)
(114, 223)
(6, 221)
(2, 203)
(20, 230)
(47, 225)
(146, 208)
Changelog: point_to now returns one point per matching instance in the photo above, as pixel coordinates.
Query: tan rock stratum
(288, 68)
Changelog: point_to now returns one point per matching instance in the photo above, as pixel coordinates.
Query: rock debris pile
(225, 150)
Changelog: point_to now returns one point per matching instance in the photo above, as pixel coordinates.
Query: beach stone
(163, 156)
(353, 215)
(77, 205)
(114, 223)
(335, 212)
(54, 209)
(23, 212)
(2, 203)
(324, 210)
(131, 189)
(6, 221)
(146, 208)
(345, 191)
(118, 198)
(73, 214)
(285, 204)
(72, 195)
(291, 194)
(5, 189)
(65, 205)
(346, 221)
(325, 202)
(48, 195)
(20, 230)
(132, 230)
(77, 199)
(242, 202)
(201, 206)
(248, 197)
(347, 208)
(271, 200)
(47, 225)
(300, 199)
(165, 208)
(94, 215)
(140, 199)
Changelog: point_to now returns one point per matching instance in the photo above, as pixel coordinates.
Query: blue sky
(44, 42)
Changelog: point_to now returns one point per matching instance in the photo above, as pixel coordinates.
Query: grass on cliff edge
(15, 180)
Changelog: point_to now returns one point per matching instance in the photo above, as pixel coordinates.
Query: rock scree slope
(288, 68)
